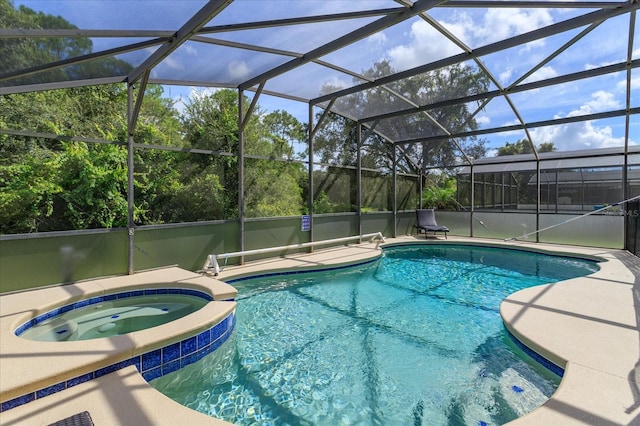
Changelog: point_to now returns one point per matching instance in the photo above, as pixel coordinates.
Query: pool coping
(39, 369)
(588, 325)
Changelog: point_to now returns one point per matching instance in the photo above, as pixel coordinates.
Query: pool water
(114, 317)
(414, 338)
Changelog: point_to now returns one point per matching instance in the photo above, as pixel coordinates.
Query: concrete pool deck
(588, 325)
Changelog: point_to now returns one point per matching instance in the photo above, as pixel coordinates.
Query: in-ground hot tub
(152, 351)
(113, 314)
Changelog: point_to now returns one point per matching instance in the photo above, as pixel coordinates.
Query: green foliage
(94, 186)
(272, 191)
(24, 53)
(337, 184)
(159, 122)
(271, 187)
(49, 184)
(197, 199)
(27, 194)
(93, 112)
(440, 193)
(282, 131)
(322, 204)
(336, 139)
(211, 121)
(77, 187)
(523, 146)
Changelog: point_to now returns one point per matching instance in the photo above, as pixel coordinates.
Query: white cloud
(173, 64)
(498, 24)
(186, 95)
(459, 26)
(513, 122)
(336, 83)
(602, 101)
(238, 70)
(583, 135)
(542, 74)
(505, 76)
(377, 39)
(622, 84)
(614, 61)
(170, 63)
(179, 104)
(483, 120)
(492, 152)
(577, 136)
(189, 49)
(512, 134)
(426, 44)
(528, 47)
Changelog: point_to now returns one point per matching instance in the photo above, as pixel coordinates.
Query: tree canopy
(523, 146)
(25, 53)
(59, 184)
(336, 139)
(186, 162)
(78, 178)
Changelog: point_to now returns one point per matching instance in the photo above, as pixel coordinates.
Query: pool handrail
(211, 264)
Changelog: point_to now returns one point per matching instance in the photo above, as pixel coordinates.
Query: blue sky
(405, 46)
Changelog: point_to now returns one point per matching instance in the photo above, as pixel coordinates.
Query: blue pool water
(414, 338)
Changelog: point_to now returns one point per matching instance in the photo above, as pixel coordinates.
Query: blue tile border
(302, 271)
(392, 246)
(151, 364)
(549, 365)
(443, 244)
(108, 297)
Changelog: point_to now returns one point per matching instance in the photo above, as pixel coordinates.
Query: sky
(406, 45)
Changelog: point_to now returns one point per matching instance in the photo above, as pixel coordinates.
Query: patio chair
(426, 222)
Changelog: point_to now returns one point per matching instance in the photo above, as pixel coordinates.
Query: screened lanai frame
(202, 28)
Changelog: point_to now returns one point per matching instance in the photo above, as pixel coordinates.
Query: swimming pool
(412, 338)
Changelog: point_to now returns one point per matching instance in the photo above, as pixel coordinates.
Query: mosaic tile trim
(510, 248)
(549, 365)
(108, 297)
(151, 364)
(302, 271)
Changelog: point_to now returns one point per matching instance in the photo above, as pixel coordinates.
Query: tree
(159, 121)
(441, 194)
(27, 192)
(447, 83)
(272, 188)
(284, 130)
(54, 184)
(94, 187)
(336, 140)
(24, 53)
(58, 183)
(523, 146)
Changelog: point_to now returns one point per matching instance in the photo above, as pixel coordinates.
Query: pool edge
(33, 376)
